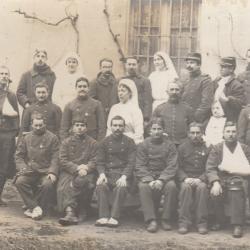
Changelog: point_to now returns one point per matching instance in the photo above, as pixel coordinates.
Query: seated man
(227, 170)
(115, 164)
(192, 159)
(156, 166)
(37, 165)
(77, 158)
(51, 112)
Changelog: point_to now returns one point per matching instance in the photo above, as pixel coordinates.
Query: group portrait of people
(180, 145)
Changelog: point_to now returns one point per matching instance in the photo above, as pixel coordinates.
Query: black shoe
(237, 231)
(152, 226)
(3, 203)
(166, 225)
(70, 218)
(183, 230)
(202, 229)
(216, 227)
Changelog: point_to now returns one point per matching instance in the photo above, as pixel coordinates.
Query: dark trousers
(35, 190)
(236, 203)
(79, 194)
(2, 183)
(150, 200)
(193, 198)
(105, 194)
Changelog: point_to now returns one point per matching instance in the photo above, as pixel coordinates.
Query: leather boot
(70, 218)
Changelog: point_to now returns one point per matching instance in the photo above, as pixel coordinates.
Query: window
(167, 25)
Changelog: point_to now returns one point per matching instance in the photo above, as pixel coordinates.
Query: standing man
(40, 72)
(228, 170)
(198, 90)
(9, 126)
(143, 87)
(192, 159)
(115, 164)
(104, 87)
(176, 115)
(228, 90)
(37, 164)
(50, 111)
(156, 166)
(85, 106)
(77, 177)
(244, 78)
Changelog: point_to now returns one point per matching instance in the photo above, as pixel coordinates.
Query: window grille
(167, 25)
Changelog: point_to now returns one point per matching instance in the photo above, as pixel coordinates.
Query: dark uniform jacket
(244, 78)
(76, 150)
(198, 93)
(214, 160)
(177, 117)
(104, 90)
(38, 153)
(116, 157)
(144, 94)
(192, 160)
(51, 112)
(26, 88)
(244, 126)
(234, 91)
(156, 160)
(8, 123)
(91, 110)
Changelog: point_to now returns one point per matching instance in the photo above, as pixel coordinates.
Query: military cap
(194, 56)
(228, 61)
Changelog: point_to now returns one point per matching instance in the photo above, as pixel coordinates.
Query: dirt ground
(20, 233)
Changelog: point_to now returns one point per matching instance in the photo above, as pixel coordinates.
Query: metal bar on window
(139, 29)
(179, 37)
(149, 33)
(191, 25)
(159, 32)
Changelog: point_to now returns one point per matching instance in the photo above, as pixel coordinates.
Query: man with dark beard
(77, 158)
(85, 106)
(198, 90)
(37, 165)
(176, 115)
(104, 87)
(40, 72)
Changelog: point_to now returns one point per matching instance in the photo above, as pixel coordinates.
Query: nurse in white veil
(68, 70)
(164, 74)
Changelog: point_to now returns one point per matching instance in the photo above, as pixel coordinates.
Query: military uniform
(104, 90)
(198, 93)
(244, 78)
(73, 189)
(36, 157)
(177, 117)
(91, 110)
(192, 164)
(9, 127)
(235, 197)
(144, 90)
(26, 88)
(50, 111)
(115, 157)
(244, 126)
(157, 161)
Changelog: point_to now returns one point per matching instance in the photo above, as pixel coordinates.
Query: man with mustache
(85, 106)
(156, 167)
(192, 157)
(9, 126)
(198, 90)
(176, 115)
(40, 72)
(143, 87)
(50, 111)
(104, 87)
(115, 164)
(37, 165)
(228, 171)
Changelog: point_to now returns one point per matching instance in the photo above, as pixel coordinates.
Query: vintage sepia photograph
(124, 124)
